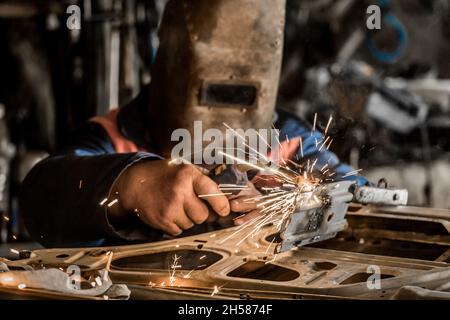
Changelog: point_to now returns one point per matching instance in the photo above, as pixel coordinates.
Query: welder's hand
(244, 203)
(165, 196)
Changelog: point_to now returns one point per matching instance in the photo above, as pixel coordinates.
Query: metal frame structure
(410, 246)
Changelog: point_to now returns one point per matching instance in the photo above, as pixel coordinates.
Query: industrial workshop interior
(225, 150)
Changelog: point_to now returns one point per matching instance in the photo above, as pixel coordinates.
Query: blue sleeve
(60, 198)
(290, 126)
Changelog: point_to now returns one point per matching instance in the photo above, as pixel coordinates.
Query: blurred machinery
(388, 89)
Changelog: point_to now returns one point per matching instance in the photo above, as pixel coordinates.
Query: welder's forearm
(64, 198)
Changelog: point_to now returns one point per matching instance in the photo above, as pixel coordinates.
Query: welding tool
(315, 221)
(321, 222)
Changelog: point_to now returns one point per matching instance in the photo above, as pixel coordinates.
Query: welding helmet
(218, 61)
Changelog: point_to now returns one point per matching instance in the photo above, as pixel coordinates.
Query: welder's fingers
(170, 228)
(247, 217)
(243, 204)
(209, 191)
(196, 210)
(250, 191)
(183, 221)
(244, 201)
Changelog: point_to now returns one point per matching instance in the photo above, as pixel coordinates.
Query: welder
(217, 61)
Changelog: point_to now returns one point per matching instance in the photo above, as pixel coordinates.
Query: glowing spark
(5, 218)
(351, 173)
(240, 160)
(21, 286)
(173, 269)
(238, 217)
(245, 142)
(313, 165)
(268, 247)
(329, 145)
(103, 201)
(14, 251)
(301, 147)
(188, 275)
(328, 124)
(112, 203)
(232, 187)
(272, 260)
(323, 144)
(214, 195)
(215, 291)
(80, 185)
(14, 237)
(314, 124)
(109, 254)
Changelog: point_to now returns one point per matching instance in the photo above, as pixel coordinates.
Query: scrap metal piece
(59, 281)
(320, 222)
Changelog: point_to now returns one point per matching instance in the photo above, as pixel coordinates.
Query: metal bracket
(313, 224)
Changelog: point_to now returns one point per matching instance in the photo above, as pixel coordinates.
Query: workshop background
(388, 89)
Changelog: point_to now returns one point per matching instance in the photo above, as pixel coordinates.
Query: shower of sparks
(297, 186)
(173, 269)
